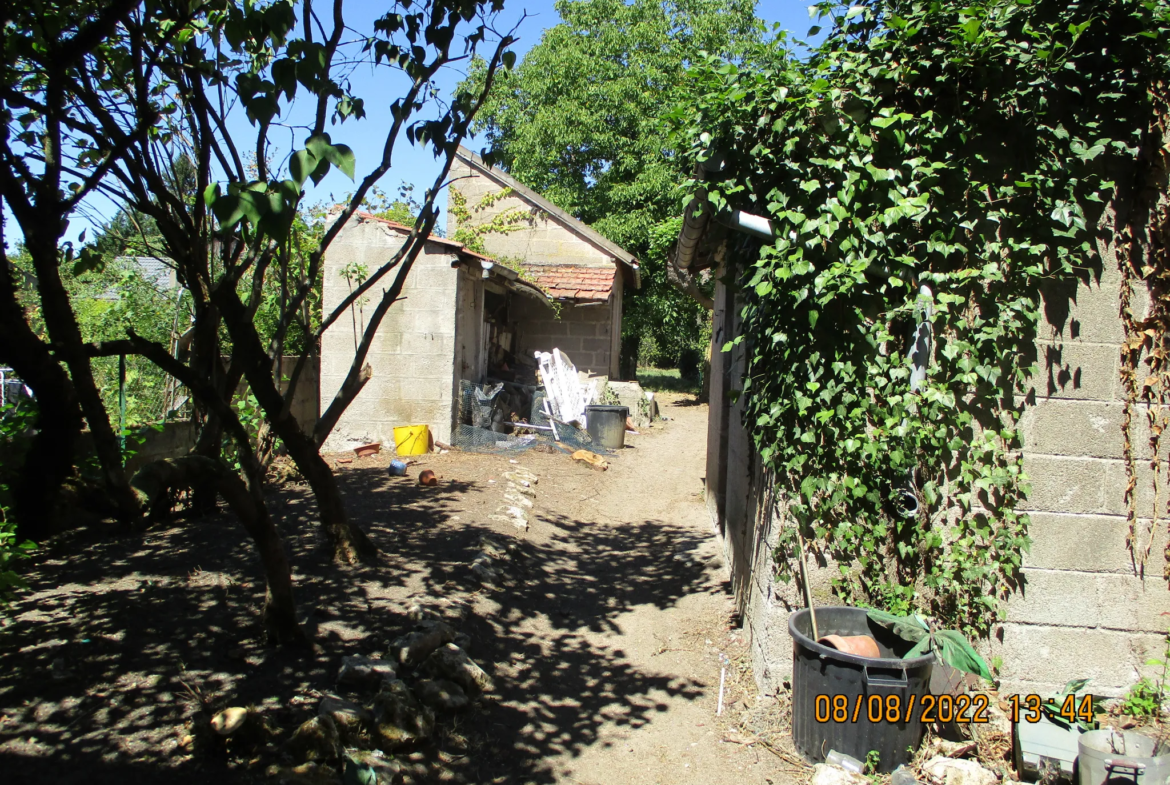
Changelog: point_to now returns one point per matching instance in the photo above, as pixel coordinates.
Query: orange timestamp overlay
(943, 708)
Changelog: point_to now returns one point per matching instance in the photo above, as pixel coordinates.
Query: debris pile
(384, 707)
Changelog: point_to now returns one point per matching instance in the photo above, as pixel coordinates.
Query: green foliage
(109, 299)
(950, 646)
(873, 759)
(966, 148)
(579, 122)
(665, 380)
(16, 422)
(11, 553)
(1148, 696)
(1143, 699)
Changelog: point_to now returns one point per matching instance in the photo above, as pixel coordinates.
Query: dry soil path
(681, 641)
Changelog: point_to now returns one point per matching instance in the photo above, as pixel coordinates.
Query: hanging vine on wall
(1143, 256)
(505, 222)
(931, 161)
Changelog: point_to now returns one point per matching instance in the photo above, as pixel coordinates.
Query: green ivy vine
(931, 162)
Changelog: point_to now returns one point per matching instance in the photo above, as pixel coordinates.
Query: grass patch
(666, 380)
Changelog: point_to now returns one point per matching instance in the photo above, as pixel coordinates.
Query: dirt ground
(607, 637)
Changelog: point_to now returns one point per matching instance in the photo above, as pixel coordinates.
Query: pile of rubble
(384, 706)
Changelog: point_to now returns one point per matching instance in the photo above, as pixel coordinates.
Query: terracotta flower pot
(367, 449)
(427, 477)
(859, 645)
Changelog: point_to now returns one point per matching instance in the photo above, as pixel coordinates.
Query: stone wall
(413, 353)
(1083, 612)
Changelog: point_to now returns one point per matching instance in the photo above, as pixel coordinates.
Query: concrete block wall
(413, 353)
(583, 332)
(1083, 613)
(541, 239)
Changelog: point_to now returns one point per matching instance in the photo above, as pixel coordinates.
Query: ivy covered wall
(978, 188)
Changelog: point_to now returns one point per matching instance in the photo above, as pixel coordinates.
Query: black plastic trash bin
(874, 693)
(607, 425)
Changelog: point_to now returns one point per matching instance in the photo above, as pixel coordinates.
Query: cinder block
(386, 342)
(1090, 543)
(1067, 485)
(1115, 483)
(1074, 428)
(1078, 371)
(417, 389)
(596, 345)
(1130, 603)
(1051, 656)
(435, 278)
(1092, 317)
(1057, 598)
(434, 322)
(383, 386)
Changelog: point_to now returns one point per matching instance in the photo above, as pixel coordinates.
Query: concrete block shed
(1083, 611)
(465, 316)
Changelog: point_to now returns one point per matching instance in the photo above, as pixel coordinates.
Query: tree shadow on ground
(126, 645)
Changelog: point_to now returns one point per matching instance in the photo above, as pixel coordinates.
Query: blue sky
(414, 165)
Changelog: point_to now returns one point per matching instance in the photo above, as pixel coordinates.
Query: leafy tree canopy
(926, 171)
(579, 121)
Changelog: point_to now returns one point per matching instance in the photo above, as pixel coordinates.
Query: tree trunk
(50, 458)
(350, 543)
(68, 346)
(153, 481)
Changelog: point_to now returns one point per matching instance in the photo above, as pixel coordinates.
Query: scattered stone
(998, 725)
(360, 671)
(592, 460)
(518, 500)
(305, 774)
(523, 489)
(483, 570)
(948, 771)
(441, 694)
(387, 771)
(418, 613)
(316, 739)
(463, 641)
(496, 548)
(414, 647)
(350, 718)
(521, 477)
(515, 512)
(519, 523)
(229, 721)
(953, 749)
(399, 719)
(825, 774)
(451, 662)
(58, 670)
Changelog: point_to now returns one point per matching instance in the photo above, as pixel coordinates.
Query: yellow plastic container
(412, 439)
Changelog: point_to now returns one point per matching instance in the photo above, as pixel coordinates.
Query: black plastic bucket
(874, 693)
(607, 425)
